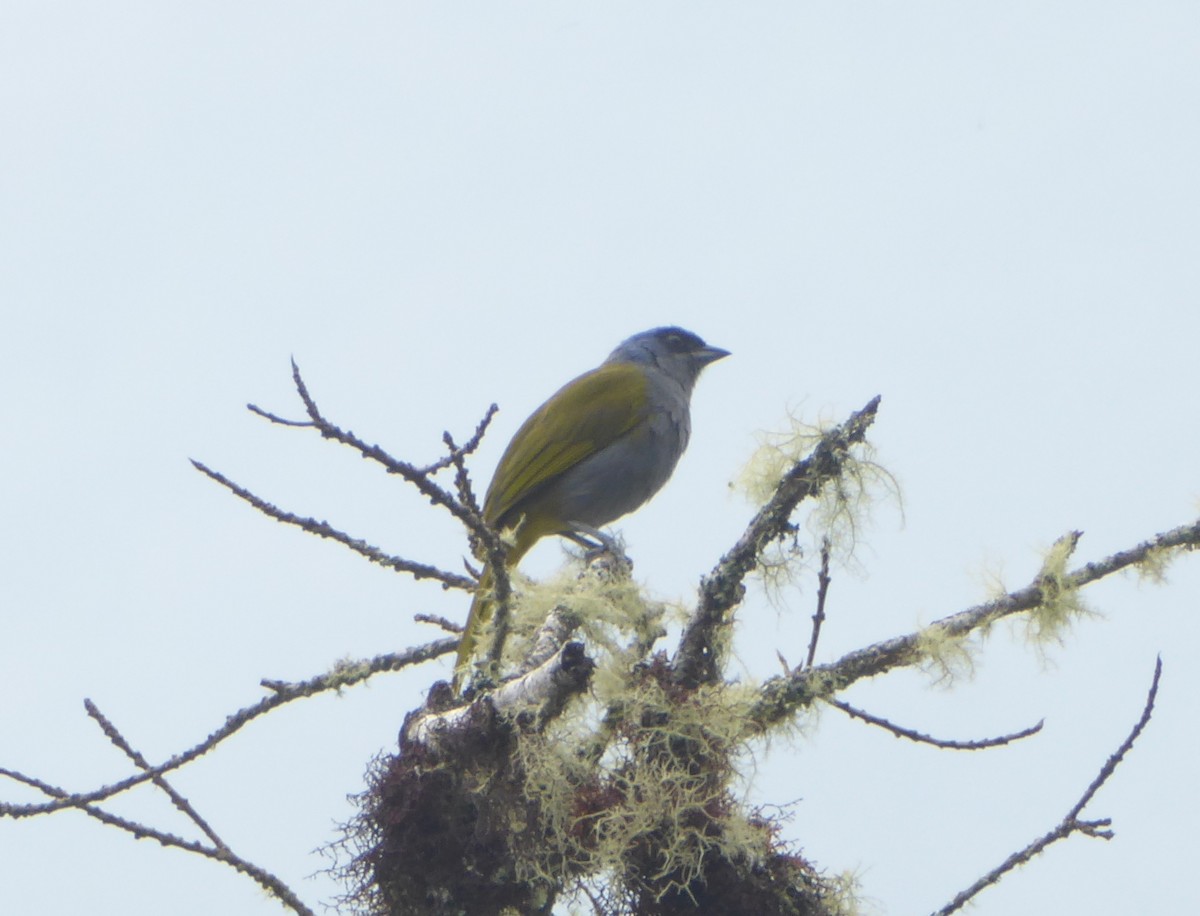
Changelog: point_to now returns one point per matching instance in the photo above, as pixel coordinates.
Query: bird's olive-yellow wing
(583, 417)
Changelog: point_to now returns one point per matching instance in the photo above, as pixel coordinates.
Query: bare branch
(345, 675)
(325, 530)
(1071, 823)
(1113, 761)
(781, 696)
(901, 732)
(722, 590)
(177, 800)
(818, 618)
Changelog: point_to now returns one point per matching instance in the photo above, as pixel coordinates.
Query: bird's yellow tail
(482, 607)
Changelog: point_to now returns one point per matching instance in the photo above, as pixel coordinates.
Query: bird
(598, 449)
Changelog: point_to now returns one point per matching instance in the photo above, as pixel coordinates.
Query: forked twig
(1071, 823)
(344, 675)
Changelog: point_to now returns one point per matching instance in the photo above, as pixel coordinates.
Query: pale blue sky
(989, 213)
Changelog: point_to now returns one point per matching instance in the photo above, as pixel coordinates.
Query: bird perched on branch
(599, 448)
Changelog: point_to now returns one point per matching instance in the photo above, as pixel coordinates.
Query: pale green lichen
(945, 656)
(640, 793)
(1061, 604)
(839, 513)
(607, 609)
(1152, 568)
(347, 671)
(775, 455)
(633, 790)
(843, 896)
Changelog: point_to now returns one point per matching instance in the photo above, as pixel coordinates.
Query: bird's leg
(602, 541)
(601, 544)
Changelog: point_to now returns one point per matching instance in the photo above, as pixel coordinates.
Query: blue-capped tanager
(599, 448)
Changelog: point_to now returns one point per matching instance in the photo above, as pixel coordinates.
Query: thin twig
(901, 732)
(345, 675)
(448, 625)
(818, 618)
(1113, 761)
(462, 480)
(592, 899)
(274, 418)
(325, 530)
(1070, 824)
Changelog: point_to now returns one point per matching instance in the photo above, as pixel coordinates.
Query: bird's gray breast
(625, 474)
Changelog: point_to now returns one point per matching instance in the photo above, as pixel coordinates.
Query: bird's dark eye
(683, 343)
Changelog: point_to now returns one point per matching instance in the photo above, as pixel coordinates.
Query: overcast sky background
(989, 213)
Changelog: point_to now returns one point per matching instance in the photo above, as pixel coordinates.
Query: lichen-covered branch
(697, 660)
(782, 696)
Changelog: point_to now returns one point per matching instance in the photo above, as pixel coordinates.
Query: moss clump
(650, 825)
(436, 825)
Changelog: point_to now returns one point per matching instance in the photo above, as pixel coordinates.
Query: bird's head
(679, 353)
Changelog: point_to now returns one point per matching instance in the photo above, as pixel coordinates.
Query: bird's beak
(706, 355)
